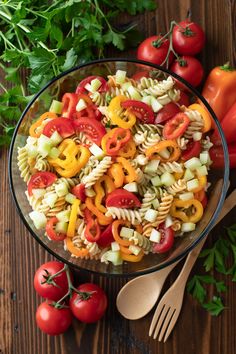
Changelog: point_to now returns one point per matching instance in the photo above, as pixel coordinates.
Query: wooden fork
(168, 309)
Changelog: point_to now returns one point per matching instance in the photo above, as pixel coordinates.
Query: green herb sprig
(215, 258)
(46, 38)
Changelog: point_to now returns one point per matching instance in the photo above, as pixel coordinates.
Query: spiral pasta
(164, 208)
(125, 214)
(160, 88)
(147, 201)
(80, 138)
(170, 167)
(196, 123)
(141, 241)
(97, 172)
(182, 142)
(142, 128)
(23, 164)
(177, 187)
(42, 164)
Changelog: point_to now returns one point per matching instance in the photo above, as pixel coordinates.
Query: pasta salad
(118, 168)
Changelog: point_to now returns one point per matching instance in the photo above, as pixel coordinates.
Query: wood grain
(20, 255)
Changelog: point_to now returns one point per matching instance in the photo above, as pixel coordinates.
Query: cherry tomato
(122, 198)
(141, 110)
(190, 69)
(81, 87)
(53, 289)
(188, 38)
(106, 237)
(154, 50)
(79, 192)
(52, 320)
(167, 112)
(217, 156)
(137, 76)
(93, 129)
(167, 239)
(63, 126)
(90, 306)
(184, 99)
(50, 230)
(41, 180)
(176, 126)
(193, 150)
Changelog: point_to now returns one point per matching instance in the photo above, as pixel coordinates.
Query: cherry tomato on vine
(189, 68)
(90, 305)
(188, 38)
(154, 50)
(52, 289)
(52, 320)
(167, 112)
(167, 239)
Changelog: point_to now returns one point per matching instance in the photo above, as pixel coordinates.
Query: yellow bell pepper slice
(204, 114)
(73, 218)
(123, 119)
(33, 128)
(202, 181)
(101, 191)
(130, 173)
(132, 257)
(178, 206)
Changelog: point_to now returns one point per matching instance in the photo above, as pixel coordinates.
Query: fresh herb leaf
(70, 61)
(215, 307)
(195, 288)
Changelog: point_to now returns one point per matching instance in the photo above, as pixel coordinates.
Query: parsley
(215, 258)
(46, 38)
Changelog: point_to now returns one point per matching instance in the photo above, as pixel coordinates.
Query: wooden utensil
(169, 307)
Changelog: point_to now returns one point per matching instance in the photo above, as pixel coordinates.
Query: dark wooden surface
(20, 255)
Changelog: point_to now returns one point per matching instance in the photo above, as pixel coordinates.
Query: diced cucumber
(192, 184)
(61, 189)
(151, 215)
(63, 216)
(51, 199)
(202, 171)
(88, 87)
(70, 198)
(90, 192)
(115, 246)
(32, 150)
(135, 249)
(152, 166)
(188, 175)
(126, 232)
(142, 160)
(167, 179)
(44, 145)
(31, 141)
(135, 95)
(56, 138)
(168, 221)
(147, 100)
(113, 257)
(188, 226)
(56, 107)
(61, 227)
(165, 154)
(38, 193)
(96, 150)
(197, 136)
(131, 187)
(95, 84)
(81, 105)
(126, 85)
(54, 153)
(155, 236)
(156, 181)
(156, 106)
(193, 163)
(120, 76)
(186, 196)
(205, 158)
(155, 203)
(39, 219)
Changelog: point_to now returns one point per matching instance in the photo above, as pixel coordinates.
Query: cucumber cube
(70, 198)
(155, 204)
(126, 232)
(115, 246)
(152, 166)
(186, 196)
(51, 199)
(156, 106)
(38, 193)
(39, 219)
(188, 175)
(188, 226)
(56, 107)
(95, 84)
(63, 216)
(61, 189)
(151, 215)
(202, 171)
(131, 187)
(54, 153)
(193, 163)
(155, 236)
(135, 249)
(81, 105)
(120, 76)
(56, 138)
(192, 184)
(156, 181)
(61, 227)
(167, 179)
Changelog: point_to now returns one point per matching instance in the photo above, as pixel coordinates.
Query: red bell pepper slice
(117, 141)
(92, 229)
(106, 237)
(69, 101)
(52, 234)
(217, 156)
(176, 126)
(81, 87)
(79, 192)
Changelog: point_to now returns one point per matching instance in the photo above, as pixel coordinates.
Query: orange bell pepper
(220, 89)
(82, 252)
(116, 234)
(178, 206)
(102, 219)
(153, 152)
(130, 174)
(124, 120)
(35, 125)
(202, 180)
(101, 191)
(117, 174)
(128, 151)
(204, 114)
(132, 257)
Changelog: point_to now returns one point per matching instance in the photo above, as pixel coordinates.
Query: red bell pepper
(69, 101)
(106, 237)
(117, 141)
(217, 156)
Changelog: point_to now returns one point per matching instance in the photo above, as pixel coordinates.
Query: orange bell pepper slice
(35, 125)
(82, 252)
(132, 257)
(129, 171)
(202, 180)
(153, 152)
(204, 114)
(73, 218)
(101, 191)
(102, 219)
(117, 174)
(124, 120)
(116, 234)
(128, 150)
(177, 211)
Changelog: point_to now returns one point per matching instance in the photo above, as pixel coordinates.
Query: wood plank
(20, 255)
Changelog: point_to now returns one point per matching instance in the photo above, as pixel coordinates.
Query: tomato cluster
(182, 41)
(53, 281)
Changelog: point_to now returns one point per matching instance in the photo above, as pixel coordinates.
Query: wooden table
(20, 255)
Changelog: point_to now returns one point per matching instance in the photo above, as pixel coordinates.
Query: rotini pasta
(125, 214)
(97, 172)
(177, 187)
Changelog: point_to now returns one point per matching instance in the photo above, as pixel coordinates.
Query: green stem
(3, 88)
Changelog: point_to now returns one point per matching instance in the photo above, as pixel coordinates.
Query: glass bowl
(67, 82)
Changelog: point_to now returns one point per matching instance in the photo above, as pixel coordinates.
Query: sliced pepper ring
(153, 152)
(116, 233)
(204, 114)
(123, 119)
(38, 123)
(178, 206)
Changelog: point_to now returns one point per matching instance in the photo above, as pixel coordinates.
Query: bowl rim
(208, 227)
